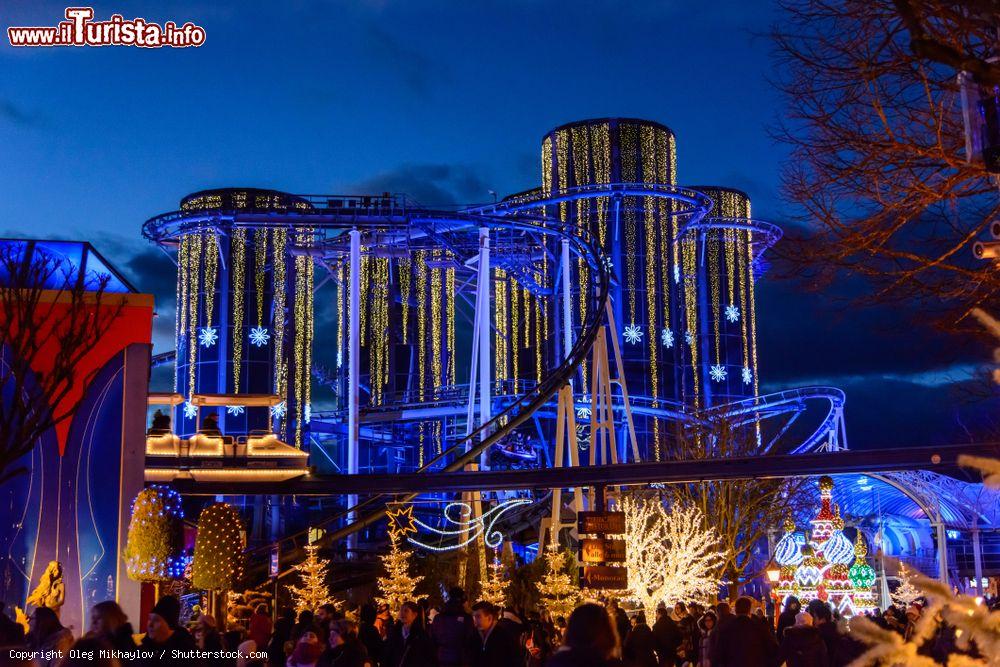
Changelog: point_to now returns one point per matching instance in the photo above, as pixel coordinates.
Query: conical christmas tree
(397, 586)
(313, 592)
(906, 592)
(559, 594)
(494, 586)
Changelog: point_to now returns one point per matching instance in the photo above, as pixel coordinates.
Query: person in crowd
(452, 631)
(109, 625)
(46, 634)
(686, 633)
(164, 633)
(801, 645)
(306, 621)
(841, 648)
(308, 648)
(492, 645)
(537, 644)
(619, 618)
(368, 634)
(723, 616)
(591, 640)
(511, 623)
(87, 652)
(345, 648)
(913, 614)
(706, 627)
(639, 644)
(324, 614)
(259, 628)
(744, 641)
(281, 633)
(408, 644)
(668, 637)
(559, 635)
(206, 633)
(786, 618)
(383, 621)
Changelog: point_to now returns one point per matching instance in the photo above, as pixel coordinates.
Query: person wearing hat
(164, 635)
(802, 645)
(452, 631)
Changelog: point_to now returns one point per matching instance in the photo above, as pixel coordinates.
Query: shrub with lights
(218, 549)
(154, 551)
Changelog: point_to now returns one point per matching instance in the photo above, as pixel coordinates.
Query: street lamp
(773, 576)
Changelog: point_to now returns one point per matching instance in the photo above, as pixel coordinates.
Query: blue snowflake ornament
(259, 336)
(208, 336)
(718, 373)
(633, 334)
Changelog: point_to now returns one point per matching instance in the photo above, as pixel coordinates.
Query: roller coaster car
(209, 444)
(267, 444)
(160, 442)
(515, 447)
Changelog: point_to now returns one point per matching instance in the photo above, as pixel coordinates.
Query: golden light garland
(450, 292)
(741, 269)
(650, 241)
(562, 164)
(628, 141)
(689, 266)
(279, 240)
(712, 240)
(260, 271)
(378, 359)
(211, 242)
(436, 329)
(341, 295)
(753, 314)
(218, 549)
(238, 257)
(421, 285)
(404, 296)
(547, 166)
(500, 325)
(601, 147)
(302, 347)
(515, 330)
(181, 303)
(194, 270)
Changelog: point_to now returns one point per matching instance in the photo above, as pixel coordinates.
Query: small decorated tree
(397, 586)
(218, 552)
(906, 592)
(493, 588)
(559, 595)
(313, 592)
(154, 551)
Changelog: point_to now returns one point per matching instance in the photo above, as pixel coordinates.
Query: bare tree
(49, 310)
(739, 513)
(878, 166)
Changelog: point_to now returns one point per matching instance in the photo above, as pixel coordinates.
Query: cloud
(416, 70)
(432, 185)
(18, 115)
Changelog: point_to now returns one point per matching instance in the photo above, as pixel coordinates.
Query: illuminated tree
(670, 556)
(494, 586)
(397, 586)
(906, 592)
(740, 511)
(313, 592)
(559, 595)
(879, 166)
(218, 549)
(155, 547)
(52, 315)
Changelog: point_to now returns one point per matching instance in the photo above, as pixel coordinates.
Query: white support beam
(483, 326)
(353, 361)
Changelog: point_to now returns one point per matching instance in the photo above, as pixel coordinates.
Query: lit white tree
(559, 595)
(397, 586)
(670, 555)
(313, 592)
(493, 588)
(906, 592)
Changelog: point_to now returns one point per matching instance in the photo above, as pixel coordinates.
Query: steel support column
(353, 363)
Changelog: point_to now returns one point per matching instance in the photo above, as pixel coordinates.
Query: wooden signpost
(597, 552)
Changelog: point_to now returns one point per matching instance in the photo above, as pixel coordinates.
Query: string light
(500, 325)
(601, 148)
(689, 262)
(238, 251)
(218, 549)
(515, 331)
(279, 240)
(260, 271)
(421, 285)
(629, 147)
(404, 295)
(652, 261)
(436, 329)
(180, 305)
(154, 550)
(211, 274)
(340, 314)
(712, 240)
(194, 267)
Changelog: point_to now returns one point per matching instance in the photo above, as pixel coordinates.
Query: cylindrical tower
(718, 255)
(636, 232)
(244, 313)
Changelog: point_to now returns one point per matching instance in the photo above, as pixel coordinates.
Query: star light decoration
(747, 375)
(235, 410)
(259, 336)
(401, 522)
(633, 334)
(208, 336)
(732, 313)
(278, 410)
(190, 411)
(667, 337)
(718, 373)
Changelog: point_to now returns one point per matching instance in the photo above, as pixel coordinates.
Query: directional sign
(601, 523)
(603, 576)
(597, 551)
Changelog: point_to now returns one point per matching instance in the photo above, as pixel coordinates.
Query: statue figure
(50, 592)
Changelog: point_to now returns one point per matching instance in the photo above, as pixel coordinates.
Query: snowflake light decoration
(308, 413)
(732, 313)
(633, 334)
(208, 336)
(667, 337)
(718, 373)
(677, 274)
(190, 411)
(583, 412)
(608, 263)
(278, 410)
(747, 375)
(235, 410)
(259, 336)
(688, 338)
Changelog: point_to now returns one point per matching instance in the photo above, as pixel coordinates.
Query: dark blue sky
(445, 101)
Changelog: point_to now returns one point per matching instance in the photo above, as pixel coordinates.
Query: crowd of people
(458, 634)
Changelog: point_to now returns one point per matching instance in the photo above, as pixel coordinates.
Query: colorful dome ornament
(787, 551)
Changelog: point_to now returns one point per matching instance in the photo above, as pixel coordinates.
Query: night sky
(444, 101)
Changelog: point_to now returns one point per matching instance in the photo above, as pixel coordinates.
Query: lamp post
(773, 575)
